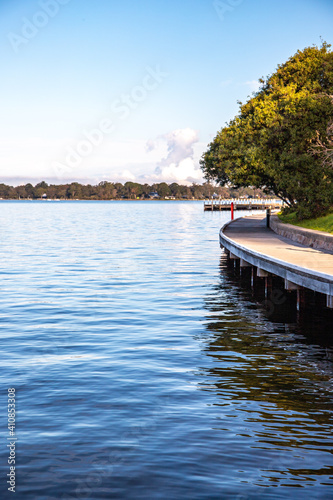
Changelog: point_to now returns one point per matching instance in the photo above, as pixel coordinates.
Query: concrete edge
(302, 270)
(306, 280)
(317, 281)
(307, 237)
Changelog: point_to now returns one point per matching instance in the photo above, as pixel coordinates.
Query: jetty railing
(243, 203)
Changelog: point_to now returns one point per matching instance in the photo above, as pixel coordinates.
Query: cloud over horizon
(180, 163)
(170, 157)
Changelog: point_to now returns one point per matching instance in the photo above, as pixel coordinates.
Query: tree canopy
(281, 139)
(106, 190)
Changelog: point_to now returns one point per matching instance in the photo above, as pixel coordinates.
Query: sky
(96, 90)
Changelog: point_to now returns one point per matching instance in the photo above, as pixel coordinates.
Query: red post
(232, 210)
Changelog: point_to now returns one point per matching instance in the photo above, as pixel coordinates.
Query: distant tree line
(115, 190)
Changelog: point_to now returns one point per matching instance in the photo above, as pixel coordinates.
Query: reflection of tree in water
(275, 375)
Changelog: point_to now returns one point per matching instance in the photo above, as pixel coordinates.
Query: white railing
(244, 201)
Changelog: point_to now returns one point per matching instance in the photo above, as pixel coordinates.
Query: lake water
(144, 369)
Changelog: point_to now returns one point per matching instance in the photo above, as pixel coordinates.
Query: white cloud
(170, 157)
(183, 171)
(179, 163)
(32, 159)
(126, 175)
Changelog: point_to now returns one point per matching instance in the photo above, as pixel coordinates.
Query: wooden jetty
(248, 241)
(242, 204)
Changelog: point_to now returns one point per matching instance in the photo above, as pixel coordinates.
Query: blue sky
(135, 90)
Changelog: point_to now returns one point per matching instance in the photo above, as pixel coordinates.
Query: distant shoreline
(112, 199)
(131, 191)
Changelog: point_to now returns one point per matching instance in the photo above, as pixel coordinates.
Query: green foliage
(269, 144)
(324, 223)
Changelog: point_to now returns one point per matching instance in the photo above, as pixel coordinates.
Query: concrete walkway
(249, 240)
(251, 232)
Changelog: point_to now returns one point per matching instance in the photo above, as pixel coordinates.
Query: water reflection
(278, 376)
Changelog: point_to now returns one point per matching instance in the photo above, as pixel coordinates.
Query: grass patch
(321, 224)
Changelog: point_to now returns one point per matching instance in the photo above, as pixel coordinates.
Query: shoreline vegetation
(129, 191)
(281, 140)
(324, 223)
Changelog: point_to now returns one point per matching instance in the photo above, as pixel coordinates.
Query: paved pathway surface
(251, 232)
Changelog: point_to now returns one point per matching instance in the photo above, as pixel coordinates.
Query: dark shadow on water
(274, 367)
(314, 322)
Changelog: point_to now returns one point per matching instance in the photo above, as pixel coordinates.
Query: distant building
(153, 195)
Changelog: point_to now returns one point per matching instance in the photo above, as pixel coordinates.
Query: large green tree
(271, 143)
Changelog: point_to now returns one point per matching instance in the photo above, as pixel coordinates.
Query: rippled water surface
(144, 369)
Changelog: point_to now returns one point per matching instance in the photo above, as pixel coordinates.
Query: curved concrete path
(248, 238)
